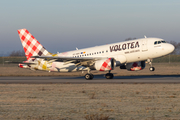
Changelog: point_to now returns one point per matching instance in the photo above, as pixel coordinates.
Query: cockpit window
(159, 42)
(155, 42)
(163, 41)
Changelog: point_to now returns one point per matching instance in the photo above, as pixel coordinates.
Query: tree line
(17, 53)
(177, 47)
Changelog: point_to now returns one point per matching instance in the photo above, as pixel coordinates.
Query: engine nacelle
(105, 64)
(134, 66)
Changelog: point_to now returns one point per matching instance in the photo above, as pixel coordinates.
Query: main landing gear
(109, 75)
(150, 63)
(90, 76)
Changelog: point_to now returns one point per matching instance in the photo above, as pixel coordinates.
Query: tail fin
(31, 46)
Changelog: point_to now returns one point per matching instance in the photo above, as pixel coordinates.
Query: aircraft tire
(151, 68)
(109, 76)
(89, 76)
(92, 76)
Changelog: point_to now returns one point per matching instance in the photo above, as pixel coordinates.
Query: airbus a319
(130, 55)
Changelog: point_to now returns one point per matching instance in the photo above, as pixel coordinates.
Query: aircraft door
(144, 45)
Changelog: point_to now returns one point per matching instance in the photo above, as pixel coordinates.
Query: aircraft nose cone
(171, 48)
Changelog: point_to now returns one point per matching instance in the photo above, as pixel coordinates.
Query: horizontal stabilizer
(27, 63)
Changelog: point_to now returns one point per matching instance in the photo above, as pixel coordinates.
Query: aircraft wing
(79, 61)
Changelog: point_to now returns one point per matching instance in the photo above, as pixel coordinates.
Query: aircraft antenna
(76, 48)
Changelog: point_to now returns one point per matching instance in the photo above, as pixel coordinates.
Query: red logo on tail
(31, 46)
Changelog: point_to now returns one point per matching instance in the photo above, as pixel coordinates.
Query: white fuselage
(125, 52)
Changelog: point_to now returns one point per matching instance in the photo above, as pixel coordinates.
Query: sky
(63, 25)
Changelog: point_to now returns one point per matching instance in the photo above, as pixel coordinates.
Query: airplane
(131, 55)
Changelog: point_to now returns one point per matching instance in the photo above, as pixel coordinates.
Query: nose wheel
(150, 63)
(151, 68)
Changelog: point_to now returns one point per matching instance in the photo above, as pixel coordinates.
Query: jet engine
(135, 66)
(105, 64)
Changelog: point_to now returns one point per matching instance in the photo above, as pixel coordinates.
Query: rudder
(31, 46)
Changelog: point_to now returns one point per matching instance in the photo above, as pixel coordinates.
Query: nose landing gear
(89, 76)
(151, 68)
(150, 63)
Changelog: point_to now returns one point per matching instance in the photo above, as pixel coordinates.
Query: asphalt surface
(165, 79)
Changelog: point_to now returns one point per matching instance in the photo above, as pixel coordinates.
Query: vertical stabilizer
(31, 46)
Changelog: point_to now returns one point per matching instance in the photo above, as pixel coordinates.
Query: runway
(99, 79)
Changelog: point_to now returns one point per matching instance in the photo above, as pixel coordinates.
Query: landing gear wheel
(109, 76)
(89, 76)
(92, 76)
(151, 68)
(150, 63)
